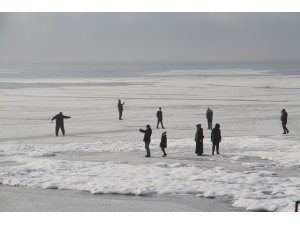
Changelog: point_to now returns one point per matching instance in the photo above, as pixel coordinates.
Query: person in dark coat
(163, 143)
(120, 108)
(209, 117)
(216, 138)
(147, 139)
(60, 123)
(284, 116)
(199, 140)
(159, 116)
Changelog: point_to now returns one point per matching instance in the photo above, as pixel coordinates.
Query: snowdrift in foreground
(252, 190)
(237, 173)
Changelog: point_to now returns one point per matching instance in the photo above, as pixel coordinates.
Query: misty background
(148, 37)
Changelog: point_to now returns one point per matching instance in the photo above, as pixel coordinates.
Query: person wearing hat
(147, 139)
(163, 143)
(216, 138)
(199, 140)
(59, 118)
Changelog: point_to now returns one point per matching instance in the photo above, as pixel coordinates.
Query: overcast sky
(149, 37)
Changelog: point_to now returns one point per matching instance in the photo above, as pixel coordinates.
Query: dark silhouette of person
(60, 123)
(199, 140)
(163, 143)
(120, 108)
(209, 117)
(159, 116)
(283, 118)
(147, 139)
(216, 138)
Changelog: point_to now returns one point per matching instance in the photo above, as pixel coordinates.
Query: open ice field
(258, 168)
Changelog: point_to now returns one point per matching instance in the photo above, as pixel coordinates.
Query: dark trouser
(120, 114)
(215, 145)
(209, 123)
(285, 130)
(147, 143)
(163, 150)
(160, 121)
(59, 127)
(199, 147)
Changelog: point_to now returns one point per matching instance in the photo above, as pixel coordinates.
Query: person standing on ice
(216, 138)
(60, 123)
(209, 117)
(163, 143)
(159, 116)
(284, 116)
(120, 108)
(199, 140)
(147, 139)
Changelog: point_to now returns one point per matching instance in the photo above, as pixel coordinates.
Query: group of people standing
(215, 136)
(199, 135)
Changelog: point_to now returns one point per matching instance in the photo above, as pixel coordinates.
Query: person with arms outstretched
(147, 139)
(59, 118)
(120, 108)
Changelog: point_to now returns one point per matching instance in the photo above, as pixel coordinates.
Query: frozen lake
(258, 167)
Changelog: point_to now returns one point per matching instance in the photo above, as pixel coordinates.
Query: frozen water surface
(258, 167)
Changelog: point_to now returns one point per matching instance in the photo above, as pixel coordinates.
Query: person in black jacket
(209, 117)
(147, 139)
(199, 140)
(284, 116)
(159, 116)
(163, 143)
(60, 123)
(216, 138)
(120, 108)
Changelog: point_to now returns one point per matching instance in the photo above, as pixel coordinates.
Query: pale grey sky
(149, 37)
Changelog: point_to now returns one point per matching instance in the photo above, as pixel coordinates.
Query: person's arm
(123, 103)
(54, 117)
(143, 131)
(67, 117)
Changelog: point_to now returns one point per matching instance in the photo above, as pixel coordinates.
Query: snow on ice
(258, 168)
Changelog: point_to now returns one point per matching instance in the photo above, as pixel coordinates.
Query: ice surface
(258, 167)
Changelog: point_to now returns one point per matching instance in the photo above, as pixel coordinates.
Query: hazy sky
(101, 37)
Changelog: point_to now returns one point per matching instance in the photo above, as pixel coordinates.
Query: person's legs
(213, 148)
(162, 125)
(197, 147)
(201, 148)
(217, 147)
(62, 130)
(284, 127)
(163, 150)
(147, 148)
(120, 114)
(157, 123)
(56, 130)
